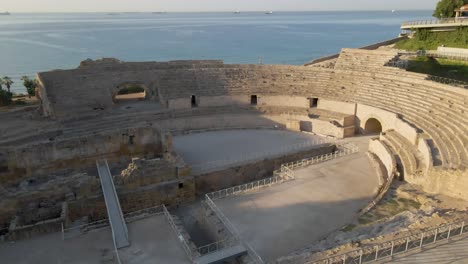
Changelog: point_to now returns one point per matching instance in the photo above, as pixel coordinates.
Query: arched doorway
(373, 126)
(129, 93)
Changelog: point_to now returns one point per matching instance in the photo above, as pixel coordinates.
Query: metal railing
(347, 150)
(259, 155)
(216, 246)
(230, 227)
(285, 173)
(180, 237)
(75, 231)
(399, 245)
(246, 187)
(458, 21)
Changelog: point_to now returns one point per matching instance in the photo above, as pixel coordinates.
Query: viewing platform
(436, 24)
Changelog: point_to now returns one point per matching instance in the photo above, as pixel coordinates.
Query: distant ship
(113, 14)
(5, 14)
(393, 10)
(269, 12)
(159, 12)
(237, 12)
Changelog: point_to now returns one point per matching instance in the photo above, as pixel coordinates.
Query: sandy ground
(152, 241)
(323, 198)
(201, 148)
(93, 248)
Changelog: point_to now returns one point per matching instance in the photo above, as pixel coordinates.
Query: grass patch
(452, 69)
(410, 203)
(131, 90)
(424, 39)
(348, 228)
(388, 208)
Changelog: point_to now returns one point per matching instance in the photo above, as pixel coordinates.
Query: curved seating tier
(406, 154)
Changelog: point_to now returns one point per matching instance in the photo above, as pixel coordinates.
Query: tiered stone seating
(428, 108)
(406, 154)
(359, 59)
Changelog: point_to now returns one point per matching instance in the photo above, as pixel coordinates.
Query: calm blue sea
(38, 42)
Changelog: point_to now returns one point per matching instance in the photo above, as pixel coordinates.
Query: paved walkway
(114, 211)
(451, 253)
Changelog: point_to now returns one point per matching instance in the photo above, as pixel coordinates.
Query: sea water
(31, 43)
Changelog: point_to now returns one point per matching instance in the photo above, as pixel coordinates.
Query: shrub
(5, 97)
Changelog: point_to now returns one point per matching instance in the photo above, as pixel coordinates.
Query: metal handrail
(310, 161)
(129, 217)
(284, 174)
(398, 245)
(259, 155)
(185, 245)
(216, 246)
(252, 253)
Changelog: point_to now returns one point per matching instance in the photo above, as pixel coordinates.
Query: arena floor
(231, 147)
(283, 218)
(152, 241)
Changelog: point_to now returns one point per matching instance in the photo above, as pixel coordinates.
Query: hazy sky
(208, 5)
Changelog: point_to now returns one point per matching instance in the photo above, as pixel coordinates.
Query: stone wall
(448, 182)
(78, 153)
(426, 152)
(384, 154)
(336, 106)
(214, 181)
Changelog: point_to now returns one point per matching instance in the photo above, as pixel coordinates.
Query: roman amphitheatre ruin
(346, 160)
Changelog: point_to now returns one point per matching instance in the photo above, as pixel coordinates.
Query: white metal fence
(285, 173)
(260, 155)
(458, 21)
(75, 231)
(181, 238)
(399, 245)
(230, 227)
(218, 245)
(346, 150)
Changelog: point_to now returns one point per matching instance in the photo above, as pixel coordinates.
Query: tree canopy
(30, 85)
(446, 8)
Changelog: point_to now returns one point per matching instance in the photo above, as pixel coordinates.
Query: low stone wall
(425, 150)
(384, 154)
(25, 232)
(336, 106)
(17, 232)
(452, 182)
(217, 180)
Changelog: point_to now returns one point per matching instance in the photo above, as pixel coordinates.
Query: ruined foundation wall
(214, 181)
(78, 153)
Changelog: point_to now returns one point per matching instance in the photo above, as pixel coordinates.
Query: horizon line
(219, 11)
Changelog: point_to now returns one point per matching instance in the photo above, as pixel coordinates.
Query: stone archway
(372, 126)
(130, 92)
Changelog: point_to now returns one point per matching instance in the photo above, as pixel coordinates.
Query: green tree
(5, 97)
(7, 82)
(446, 8)
(30, 85)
